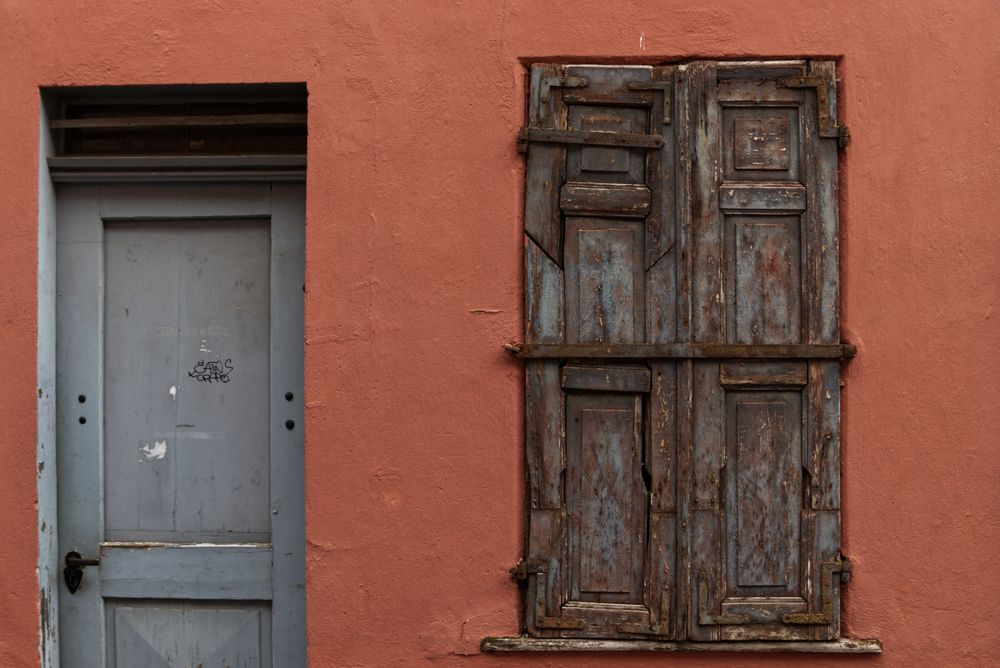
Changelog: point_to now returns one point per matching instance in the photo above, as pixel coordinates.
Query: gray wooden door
(179, 396)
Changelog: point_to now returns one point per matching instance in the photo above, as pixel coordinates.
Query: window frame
(675, 150)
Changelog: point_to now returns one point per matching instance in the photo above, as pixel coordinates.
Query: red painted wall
(414, 444)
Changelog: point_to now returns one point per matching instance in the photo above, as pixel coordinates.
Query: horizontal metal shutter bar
(681, 351)
(591, 138)
(178, 121)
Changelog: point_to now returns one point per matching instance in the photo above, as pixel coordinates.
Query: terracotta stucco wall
(413, 421)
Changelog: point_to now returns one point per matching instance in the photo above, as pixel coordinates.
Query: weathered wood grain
(625, 199)
(707, 278)
(544, 435)
(662, 303)
(546, 545)
(606, 503)
(661, 222)
(821, 453)
(708, 436)
(823, 301)
(543, 296)
(661, 454)
(762, 261)
(762, 197)
(764, 489)
(606, 378)
(605, 285)
(543, 174)
(525, 644)
(762, 374)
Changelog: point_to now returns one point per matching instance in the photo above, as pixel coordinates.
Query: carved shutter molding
(682, 219)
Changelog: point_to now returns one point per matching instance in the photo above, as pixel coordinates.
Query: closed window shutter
(682, 344)
(764, 447)
(599, 233)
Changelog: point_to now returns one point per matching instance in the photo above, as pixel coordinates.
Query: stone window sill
(525, 644)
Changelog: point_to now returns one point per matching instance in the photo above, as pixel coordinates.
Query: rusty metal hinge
(661, 629)
(705, 618)
(588, 137)
(540, 569)
(522, 568)
(824, 618)
(827, 122)
(548, 83)
(664, 86)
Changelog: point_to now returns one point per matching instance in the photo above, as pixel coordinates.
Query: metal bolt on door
(179, 400)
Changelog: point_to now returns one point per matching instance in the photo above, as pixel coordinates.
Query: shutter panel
(765, 523)
(599, 268)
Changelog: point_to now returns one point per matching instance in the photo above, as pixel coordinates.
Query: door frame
(231, 171)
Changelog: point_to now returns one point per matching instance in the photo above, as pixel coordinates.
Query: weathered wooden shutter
(682, 345)
(599, 270)
(765, 440)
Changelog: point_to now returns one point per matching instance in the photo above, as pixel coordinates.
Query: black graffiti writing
(211, 372)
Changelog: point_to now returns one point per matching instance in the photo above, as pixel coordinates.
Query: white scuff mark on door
(173, 392)
(156, 451)
(204, 347)
(642, 41)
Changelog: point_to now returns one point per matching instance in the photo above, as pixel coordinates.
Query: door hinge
(826, 115)
(706, 618)
(540, 570)
(522, 568)
(840, 566)
(548, 83)
(664, 86)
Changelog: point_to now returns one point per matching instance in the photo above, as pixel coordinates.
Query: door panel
(607, 509)
(186, 368)
(203, 635)
(763, 492)
(179, 398)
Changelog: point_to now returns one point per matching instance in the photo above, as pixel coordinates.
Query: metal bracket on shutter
(827, 124)
(824, 618)
(523, 568)
(588, 137)
(657, 85)
(548, 83)
(705, 618)
(661, 629)
(540, 570)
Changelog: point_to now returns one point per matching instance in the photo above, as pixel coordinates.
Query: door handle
(73, 573)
